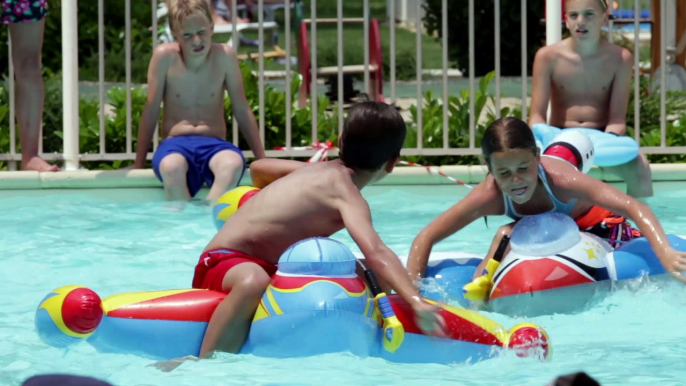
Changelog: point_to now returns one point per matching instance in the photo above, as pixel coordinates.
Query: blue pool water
(125, 240)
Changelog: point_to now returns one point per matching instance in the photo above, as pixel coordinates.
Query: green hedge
(275, 120)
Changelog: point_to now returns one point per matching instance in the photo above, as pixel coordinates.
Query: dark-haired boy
(301, 200)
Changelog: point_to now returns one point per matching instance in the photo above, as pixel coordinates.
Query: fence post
(70, 84)
(553, 21)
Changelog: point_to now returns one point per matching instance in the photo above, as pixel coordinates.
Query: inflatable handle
(393, 331)
(500, 252)
(479, 289)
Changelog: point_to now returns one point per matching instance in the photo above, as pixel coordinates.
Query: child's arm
(265, 171)
(606, 196)
(157, 74)
(619, 98)
(380, 259)
(540, 87)
(241, 109)
(483, 200)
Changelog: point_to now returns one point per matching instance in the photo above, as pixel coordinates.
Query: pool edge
(402, 175)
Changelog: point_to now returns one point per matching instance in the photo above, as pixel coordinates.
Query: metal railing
(72, 156)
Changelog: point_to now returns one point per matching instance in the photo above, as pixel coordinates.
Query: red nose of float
(527, 276)
(563, 152)
(529, 340)
(81, 310)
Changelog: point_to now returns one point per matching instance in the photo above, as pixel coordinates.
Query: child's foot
(170, 365)
(40, 165)
(174, 206)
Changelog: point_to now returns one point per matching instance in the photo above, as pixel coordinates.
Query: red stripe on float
(191, 306)
(354, 285)
(456, 327)
(528, 276)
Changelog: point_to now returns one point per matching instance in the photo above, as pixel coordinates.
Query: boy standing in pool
(300, 200)
(190, 77)
(587, 81)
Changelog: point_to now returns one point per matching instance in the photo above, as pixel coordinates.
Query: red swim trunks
(214, 264)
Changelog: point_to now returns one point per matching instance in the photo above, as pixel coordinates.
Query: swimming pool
(121, 240)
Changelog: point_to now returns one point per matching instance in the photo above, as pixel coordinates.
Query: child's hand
(674, 262)
(429, 319)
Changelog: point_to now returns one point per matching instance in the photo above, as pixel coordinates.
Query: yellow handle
(479, 289)
(393, 330)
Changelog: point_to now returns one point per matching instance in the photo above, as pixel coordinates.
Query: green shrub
(115, 124)
(458, 123)
(675, 106)
(301, 121)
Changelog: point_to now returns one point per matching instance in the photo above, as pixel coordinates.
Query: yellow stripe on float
(117, 301)
(273, 302)
(477, 319)
(291, 290)
(260, 313)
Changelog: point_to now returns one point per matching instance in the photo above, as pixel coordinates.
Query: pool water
(125, 240)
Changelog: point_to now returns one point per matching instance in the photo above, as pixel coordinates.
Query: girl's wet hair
(507, 134)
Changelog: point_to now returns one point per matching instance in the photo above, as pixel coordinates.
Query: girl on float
(520, 182)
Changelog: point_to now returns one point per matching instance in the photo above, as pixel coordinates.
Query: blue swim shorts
(198, 151)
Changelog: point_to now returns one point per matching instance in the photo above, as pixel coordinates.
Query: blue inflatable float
(552, 268)
(610, 149)
(315, 304)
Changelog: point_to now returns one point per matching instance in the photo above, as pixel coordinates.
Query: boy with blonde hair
(190, 77)
(587, 81)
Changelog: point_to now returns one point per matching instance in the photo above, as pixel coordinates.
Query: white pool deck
(402, 175)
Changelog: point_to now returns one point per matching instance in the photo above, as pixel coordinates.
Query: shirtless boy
(587, 81)
(189, 77)
(299, 200)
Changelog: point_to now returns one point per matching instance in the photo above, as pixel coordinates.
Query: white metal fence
(72, 155)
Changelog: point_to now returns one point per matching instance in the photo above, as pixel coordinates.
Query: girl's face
(516, 173)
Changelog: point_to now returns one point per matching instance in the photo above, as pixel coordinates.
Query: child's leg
(173, 170)
(229, 326)
(27, 43)
(221, 164)
(637, 175)
(228, 167)
(504, 230)
(173, 164)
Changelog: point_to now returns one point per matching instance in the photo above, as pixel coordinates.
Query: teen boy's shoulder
(546, 56)
(621, 55)
(166, 50)
(223, 52)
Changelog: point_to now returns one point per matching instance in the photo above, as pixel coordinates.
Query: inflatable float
(315, 304)
(610, 149)
(552, 268)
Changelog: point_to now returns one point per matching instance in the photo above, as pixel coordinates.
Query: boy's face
(195, 35)
(585, 18)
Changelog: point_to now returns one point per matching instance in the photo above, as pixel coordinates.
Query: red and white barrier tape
(323, 155)
(435, 170)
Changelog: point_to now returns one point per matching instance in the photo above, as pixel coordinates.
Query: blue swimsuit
(558, 206)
